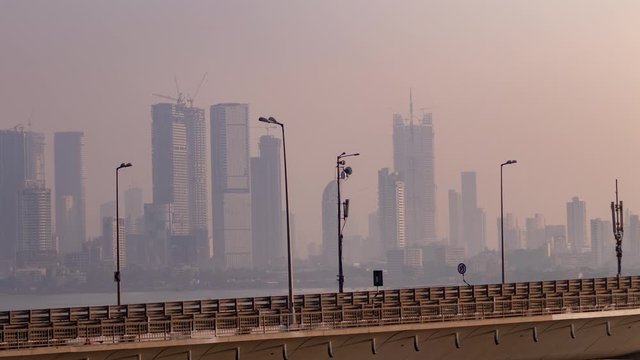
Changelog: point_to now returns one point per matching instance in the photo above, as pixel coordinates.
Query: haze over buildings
(546, 83)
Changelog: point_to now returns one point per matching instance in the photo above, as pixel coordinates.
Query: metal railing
(326, 301)
(136, 330)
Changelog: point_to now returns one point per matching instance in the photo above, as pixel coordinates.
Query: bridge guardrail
(158, 330)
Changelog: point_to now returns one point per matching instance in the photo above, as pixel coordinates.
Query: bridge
(563, 319)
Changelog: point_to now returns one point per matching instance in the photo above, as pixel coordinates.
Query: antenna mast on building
(617, 215)
(410, 107)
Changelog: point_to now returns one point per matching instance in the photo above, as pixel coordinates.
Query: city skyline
(487, 109)
(36, 170)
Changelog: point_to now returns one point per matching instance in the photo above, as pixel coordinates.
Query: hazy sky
(553, 84)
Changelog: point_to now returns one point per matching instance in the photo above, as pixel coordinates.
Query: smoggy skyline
(553, 85)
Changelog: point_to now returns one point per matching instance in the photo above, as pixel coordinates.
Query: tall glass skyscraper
(266, 205)
(473, 218)
(231, 185)
(179, 170)
(70, 190)
(21, 164)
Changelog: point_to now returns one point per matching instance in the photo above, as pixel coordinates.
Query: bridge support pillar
(416, 343)
(496, 337)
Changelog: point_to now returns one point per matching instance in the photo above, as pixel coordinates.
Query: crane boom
(193, 98)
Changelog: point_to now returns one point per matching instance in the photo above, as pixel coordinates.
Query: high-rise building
(269, 248)
(535, 231)
(577, 236)
(70, 190)
(21, 162)
(455, 219)
(157, 234)
(601, 241)
(376, 249)
(632, 233)
(107, 209)
(413, 159)
(110, 239)
(512, 233)
(556, 238)
(134, 210)
(179, 170)
(35, 219)
(34, 150)
(473, 219)
(231, 185)
(391, 210)
(330, 225)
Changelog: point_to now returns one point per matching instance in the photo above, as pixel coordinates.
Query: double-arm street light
(272, 120)
(508, 162)
(116, 275)
(342, 172)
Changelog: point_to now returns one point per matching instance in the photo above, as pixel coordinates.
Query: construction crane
(180, 100)
(191, 99)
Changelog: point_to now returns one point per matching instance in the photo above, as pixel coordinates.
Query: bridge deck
(225, 317)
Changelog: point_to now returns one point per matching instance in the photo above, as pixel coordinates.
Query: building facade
(473, 218)
(413, 159)
(70, 191)
(455, 219)
(35, 220)
(330, 225)
(535, 231)
(391, 210)
(602, 242)
(267, 220)
(231, 185)
(577, 235)
(21, 163)
(179, 170)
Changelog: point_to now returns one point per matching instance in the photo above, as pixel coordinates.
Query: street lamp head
(513, 161)
(509, 162)
(270, 120)
(124, 165)
(344, 154)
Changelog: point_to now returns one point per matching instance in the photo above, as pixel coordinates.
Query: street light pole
(116, 275)
(340, 165)
(508, 162)
(291, 304)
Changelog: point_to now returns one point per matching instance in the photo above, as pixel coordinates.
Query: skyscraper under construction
(413, 160)
(179, 171)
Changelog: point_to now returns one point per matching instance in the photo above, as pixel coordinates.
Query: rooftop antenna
(29, 120)
(175, 80)
(410, 106)
(617, 216)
